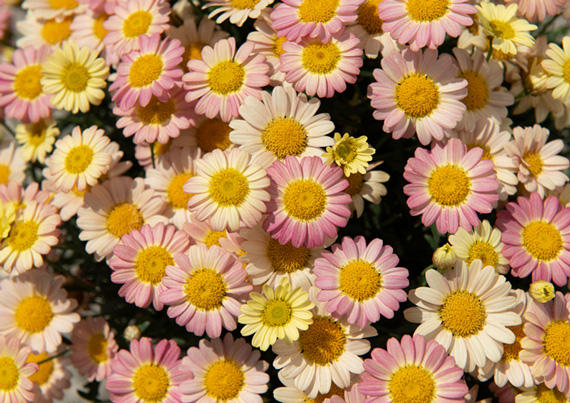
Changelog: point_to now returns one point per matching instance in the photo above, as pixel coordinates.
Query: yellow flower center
(205, 288)
(360, 280)
(276, 313)
(145, 70)
(347, 150)
(213, 238)
(54, 32)
(123, 218)
(323, 342)
(368, 18)
(192, 51)
(511, 351)
(287, 258)
(226, 77)
(427, 10)
(224, 380)
(161, 149)
(417, 95)
(177, 197)
(37, 133)
(75, 77)
(24, 235)
(244, 4)
(485, 252)
(156, 112)
(477, 90)
(151, 262)
(412, 384)
(4, 174)
(212, 134)
(534, 163)
(151, 383)
(9, 374)
(449, 185)
(463, 314)
(486, 151)
(78, 159)
(228, 187)
(63, 4)
(566, 71)
(355, 183)
(27, 83)
(502, 29)
(546, 395)
(137, 24)
(321, 58)
(304, 199)
(317, 10)
(98, 28)
(80, 193)
(278, 45)
(97, 348)
(542, 240)
(556, 342)
(33, 314)
(44, 370)
(284, 136)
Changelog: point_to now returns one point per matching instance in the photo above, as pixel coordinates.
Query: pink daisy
(308, 201)
(322, 68)
(536, 237)
(147, 374)
(297, 19)
(223, 78)
(418, 92)
(139, 262)
(425, 24)
(16, 371)
(450, 185)
(205, 290)
(21, 92)
(412, 370)
(150, 70)
(534, 10)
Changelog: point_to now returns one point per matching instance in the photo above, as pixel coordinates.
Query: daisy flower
(88, 30)
(225, 371)
(541, 291)
(366, 187)
(424, 24)
(278, 313)
(93, 347)
(307, 203)
(467, 310)
(537, 394)
(115, 208)
(16, 371)
(38, 32)
(322, 68)
(150, 70)
(418, 93)
(35, 309)
(538, 9)
(539, 165)
(51, 379)
(51, 9)
(368, 28)
(557, 65)
(145, 157)
(229, 189)
(140, 259)
(22, 95)
(223, 78)
(534, 234)
(12, 163)
(352, 154)
(146, 373)
(450, 185)
(412, 370)
(210, 134)
(297, 19)
(36, 139)
(205, 290)
(545, 345)
(237, 11)
(201, 232)
(283, 123)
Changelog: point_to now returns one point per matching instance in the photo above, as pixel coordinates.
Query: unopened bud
(132, 332)
(444, 257)
(541, 291)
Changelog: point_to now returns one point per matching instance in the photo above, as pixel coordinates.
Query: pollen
(44, 370)
(145, 70)
(63, 4)
(287, 258)
(546, 395)
(244, 4)
(224, 380)
(417, 95)
(284, 136)
(323, 342)
(449, 185)
(321, 58)
(137, 24)
(177, 197)
(427, 10)
(212, 134)
(542, 240)
(477, 91)
(54, 32)
(9, 374)
(463, 314)
(151, 262)
(98, 28)
(4, 174)
(412, 384)
(566, 71)
(556, 342)
(534, 163)
(23, 235)
(511, 351)
(485, 252)
(355, 183)
(123, 218)
(276, 313)
(228, 187)
(226, 77)
(213, 238)
(151, 383)
(317, 10)
(502, 29)
(304, 200)
(27, 83)
(368, 18)
(75, 77)
(205, 289)
(33, 314)
(346, 150)
(156, 112)
(278, 42)
(97, 348)
(78, 159)
(360, 280)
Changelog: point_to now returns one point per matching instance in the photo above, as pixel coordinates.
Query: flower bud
(444, 257)
(541, 291)
(132, 332)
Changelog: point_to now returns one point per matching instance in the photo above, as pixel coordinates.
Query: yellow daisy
(352, 154)
(557, 65)
(36, 139)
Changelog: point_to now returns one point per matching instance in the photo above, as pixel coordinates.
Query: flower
(557, 64)
(307, 203)
(276, 314)
(538, 9)
(368, 28)
(16, 371)
(322, 68)
(444, 257)
(201, 232)
(283, 123)
(36, 139)
(449, 185)
(223, 78)
(352, 154)
(12, 163)
(225, 370)
(418, 93)
(467, 310)
(37, 32)
(541, 291)
(538, 393)
(35, 309)
(88, 30)
(204, 290)
(209, 134)
(93, 348)
(51, 379)
(412, 370)
(360, 281)
(366, 187)
(52, 9)
(534, 234)
(237, 11)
